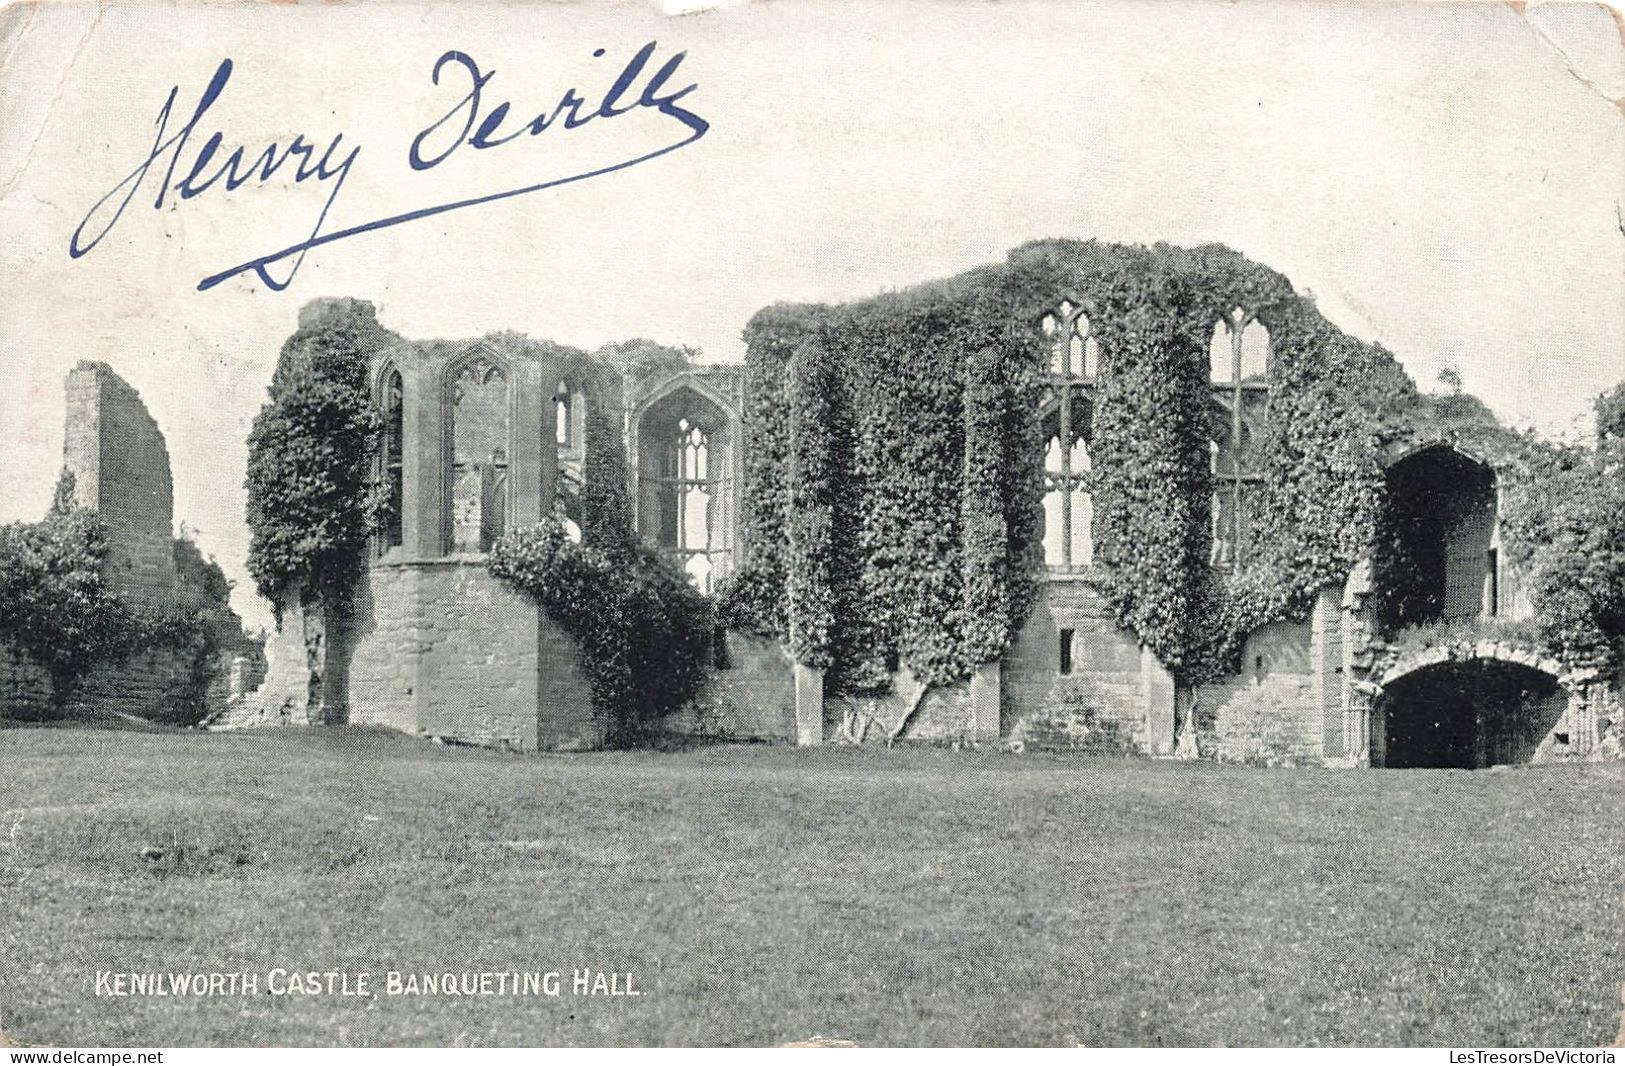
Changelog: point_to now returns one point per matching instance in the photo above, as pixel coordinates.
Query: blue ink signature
(479, 130)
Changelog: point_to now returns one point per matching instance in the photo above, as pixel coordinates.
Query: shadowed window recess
(479, 435)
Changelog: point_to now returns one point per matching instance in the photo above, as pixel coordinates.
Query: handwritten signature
(468, 122)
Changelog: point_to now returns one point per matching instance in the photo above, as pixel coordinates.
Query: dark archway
(1437, 559)
(1467, 714)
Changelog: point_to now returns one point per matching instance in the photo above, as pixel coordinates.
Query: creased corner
(15, 18)
(1527, 16)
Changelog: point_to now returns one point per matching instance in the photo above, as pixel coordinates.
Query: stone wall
(441, 647)
(943, 714)
(1272, 712)
(120, 465)
(1108, 696)
(752, 698)
(290, 690)
(121, 471)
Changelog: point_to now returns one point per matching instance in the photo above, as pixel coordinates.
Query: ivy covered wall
(892, 506)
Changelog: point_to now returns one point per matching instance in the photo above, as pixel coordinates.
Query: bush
(54, 602)
(56, 605)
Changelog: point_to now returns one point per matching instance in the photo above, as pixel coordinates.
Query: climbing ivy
(312, 504)
(892, 504)
(643, 631)
(1564, 524)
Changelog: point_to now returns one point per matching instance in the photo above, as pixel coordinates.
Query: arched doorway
(1465, 714)
(1438, 560)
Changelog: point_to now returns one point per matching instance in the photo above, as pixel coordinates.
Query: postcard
(907, 523)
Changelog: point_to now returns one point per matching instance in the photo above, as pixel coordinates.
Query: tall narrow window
(1083, 350)
(693, 503)
(1065, 663)
(1220, 355)
(1238, 359)
(1492, 583)
(563, 429)
(569, 441)
(1222, 553)
(394, 435)
(1068, 504)
(479, 433)
(1254, 362)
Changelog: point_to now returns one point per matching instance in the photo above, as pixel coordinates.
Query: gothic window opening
(391, 472)
(1221, 357)
(1254, 356)
(685, 484)
(1069, 541)
(563, 429)
(1223, 551)
(1074, 349)
(1239, 351)
(1238, 360)
(693, 498)
(569, 440)
(478, 435)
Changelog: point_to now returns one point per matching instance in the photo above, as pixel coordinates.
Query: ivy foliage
(1567, 529)
(892, 498)
(58, 607)
(55, 603)
(312, 500)
(643, 631)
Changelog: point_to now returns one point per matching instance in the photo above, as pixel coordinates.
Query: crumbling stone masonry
(489, 434)
(120, 464)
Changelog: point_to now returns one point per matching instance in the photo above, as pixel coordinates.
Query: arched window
(1068, 505)
(1069, 513)
(693, 497)
(1255, 352)
(479, 435)
(570, 446)
(1057, 361)
(563, 428)
(1221, 356)
(1239, 350)
(1083, 350)
(684, 483)
(1239, 362)
(390, 460)
(1073, 348)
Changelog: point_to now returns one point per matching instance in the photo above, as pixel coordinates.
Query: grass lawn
(765, 894)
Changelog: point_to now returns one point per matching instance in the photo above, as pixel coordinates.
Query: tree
(1577, 543)
(54, 602)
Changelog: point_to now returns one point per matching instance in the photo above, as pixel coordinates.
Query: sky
(1446, 179)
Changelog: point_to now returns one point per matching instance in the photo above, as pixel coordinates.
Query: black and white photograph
(803, 523)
